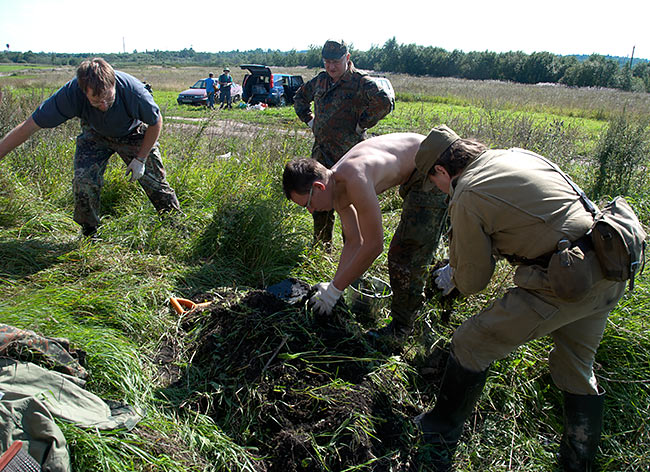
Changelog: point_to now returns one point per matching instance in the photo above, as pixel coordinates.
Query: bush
(622, 157)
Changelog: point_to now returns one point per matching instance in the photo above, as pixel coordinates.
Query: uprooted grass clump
(302, 390)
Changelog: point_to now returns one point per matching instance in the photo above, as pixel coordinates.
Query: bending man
(515, 204)
(117, 114)
(350, 188)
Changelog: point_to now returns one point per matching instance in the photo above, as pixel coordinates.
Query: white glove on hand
(136, 168)
(325, 298)
(443, 279)
(310, 123)
(359, 129)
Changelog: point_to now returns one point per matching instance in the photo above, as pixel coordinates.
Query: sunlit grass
(238, 232)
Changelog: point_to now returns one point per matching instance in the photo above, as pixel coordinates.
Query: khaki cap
(439, 139)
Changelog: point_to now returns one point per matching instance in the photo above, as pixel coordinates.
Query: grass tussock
(250, 383)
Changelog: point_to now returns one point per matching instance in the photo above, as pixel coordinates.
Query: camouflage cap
(439, 139)
(226, 70)
(334, 49)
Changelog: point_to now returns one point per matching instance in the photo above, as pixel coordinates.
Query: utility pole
(632, 57)
(123, 45)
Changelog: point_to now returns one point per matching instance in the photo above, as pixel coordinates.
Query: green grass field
(250, 384)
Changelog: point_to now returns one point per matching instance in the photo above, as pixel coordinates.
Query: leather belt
(583, 242)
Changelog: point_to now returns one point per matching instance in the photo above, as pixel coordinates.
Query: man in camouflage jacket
(346, 104)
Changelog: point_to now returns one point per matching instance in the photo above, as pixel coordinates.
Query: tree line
(516, 66)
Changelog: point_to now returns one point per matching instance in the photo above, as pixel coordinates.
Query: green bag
(619, 241)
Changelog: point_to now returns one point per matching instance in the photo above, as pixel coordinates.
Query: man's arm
(378, 104)
(150, 137)
(470, 248)
(17, 136)
(302, 101)
(364, 235)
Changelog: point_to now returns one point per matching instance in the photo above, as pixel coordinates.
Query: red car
(196, 94)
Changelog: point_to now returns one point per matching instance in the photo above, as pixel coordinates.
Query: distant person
(350, 188)
(210, 89)
(225, 82)
(117, 115)
(514, 203)
(346, 104)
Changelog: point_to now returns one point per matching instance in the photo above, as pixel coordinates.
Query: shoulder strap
(588, 204)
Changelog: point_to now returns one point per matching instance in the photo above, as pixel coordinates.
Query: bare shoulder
(380, 162)
(393, 139)
(384, 144)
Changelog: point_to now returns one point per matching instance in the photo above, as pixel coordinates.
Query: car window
(199, 84)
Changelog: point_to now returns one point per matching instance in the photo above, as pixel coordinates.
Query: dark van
(260, 85)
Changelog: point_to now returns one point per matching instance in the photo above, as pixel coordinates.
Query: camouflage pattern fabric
(90, 161)
(413, 247)
(324, 227)
(323, 220)
(54, 353)
(338, 108)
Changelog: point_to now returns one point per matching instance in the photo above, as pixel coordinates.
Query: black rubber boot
(394, 329)
(390, 338)
(583, 422)
(443, 425)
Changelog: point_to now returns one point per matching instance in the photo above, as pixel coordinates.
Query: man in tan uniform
(512, 203)
(350, 188)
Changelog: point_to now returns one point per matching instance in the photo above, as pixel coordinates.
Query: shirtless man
(350, 188)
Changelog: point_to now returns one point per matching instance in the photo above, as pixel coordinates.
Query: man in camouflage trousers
(117, 115)
(350, 188)
(346, 104)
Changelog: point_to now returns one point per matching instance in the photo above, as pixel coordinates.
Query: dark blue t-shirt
(133, 105)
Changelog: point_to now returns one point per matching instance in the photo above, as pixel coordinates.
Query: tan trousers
(524, 314)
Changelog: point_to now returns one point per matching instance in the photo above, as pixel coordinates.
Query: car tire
(236, 98)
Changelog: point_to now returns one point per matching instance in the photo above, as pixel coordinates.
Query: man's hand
(136, 168)
(325, 298)
(443, 279)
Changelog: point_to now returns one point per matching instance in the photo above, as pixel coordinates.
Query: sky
(557, 26)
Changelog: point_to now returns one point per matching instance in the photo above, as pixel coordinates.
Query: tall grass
(238, 233)
(622, 157)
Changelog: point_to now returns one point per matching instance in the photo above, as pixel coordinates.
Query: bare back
(379, 163)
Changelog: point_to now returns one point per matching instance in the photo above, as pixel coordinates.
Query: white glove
(310, 123)
(443, 279)
(359, 129)
(325, 298)
(136, 168)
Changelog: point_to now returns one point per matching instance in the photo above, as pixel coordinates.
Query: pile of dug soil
(306, 392)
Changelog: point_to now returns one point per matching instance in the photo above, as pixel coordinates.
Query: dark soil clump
(302, 390)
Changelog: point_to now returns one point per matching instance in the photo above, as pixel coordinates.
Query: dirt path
(229, 127)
